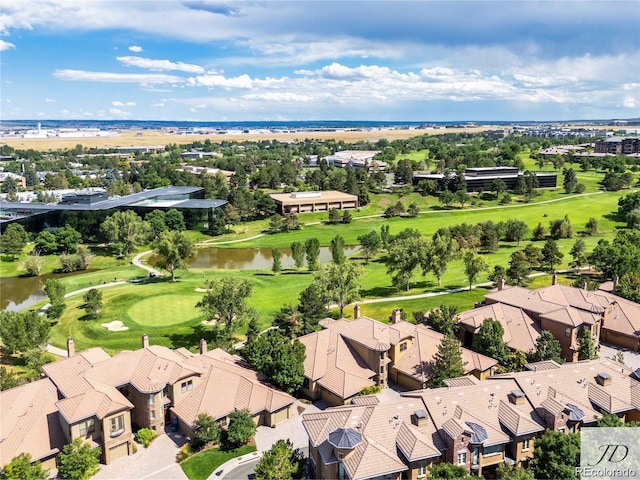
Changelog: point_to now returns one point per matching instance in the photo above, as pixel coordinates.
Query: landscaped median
(201, 465)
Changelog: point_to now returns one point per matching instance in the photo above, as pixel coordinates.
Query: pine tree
(586, 347)
(447, 362)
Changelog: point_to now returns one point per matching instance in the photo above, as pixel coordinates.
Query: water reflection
(18, 293)
(248, 258)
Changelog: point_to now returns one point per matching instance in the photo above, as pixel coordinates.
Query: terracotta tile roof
(572, 317)
(520, 330)
(417, 361)
(68, 374)
(101, 402)
(451, 409)
(148, 369)
(333, 363)
(369, 332)
(462, 381)
(624, 317)
(386, 430)
(575, 383)
(242, 387)
(29, 421)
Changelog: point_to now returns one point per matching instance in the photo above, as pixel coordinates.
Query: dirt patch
(384, 201)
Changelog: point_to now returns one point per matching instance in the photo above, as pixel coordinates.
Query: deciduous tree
(241, 427)
(340, 283)
(488, 341)
(206, 430)
(227, 301)
(547, 348)
(13, 241)
(174, 248)
(474, 264)
(337, 250)
(55, 290)
(551, 254)
(281, 461)
(276, 266)
(93, 303)
(21, 468)
(440, 253)
(78, 460)
(370, 243)
(312, 251)
(125, 230)
(556, 455)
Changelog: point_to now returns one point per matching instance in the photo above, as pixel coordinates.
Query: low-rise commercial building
(480, 179)
(301, 202)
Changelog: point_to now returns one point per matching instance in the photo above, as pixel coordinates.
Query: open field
(127, 138)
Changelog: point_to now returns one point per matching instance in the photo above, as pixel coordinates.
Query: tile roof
(29, 421)
(68, 374)
(417, 361)
(624, 317)
(243, 389)
(101, 402)
(485, 404)
(575, 384)
(368, 332)
(520, 330)
(333, 363)
(386, 430)
(572, 317)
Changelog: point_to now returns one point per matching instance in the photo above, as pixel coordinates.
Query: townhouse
(347, 356)
(477, 425)
(103, 399)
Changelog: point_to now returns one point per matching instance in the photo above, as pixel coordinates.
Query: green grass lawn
(163, 310)
(202, 465)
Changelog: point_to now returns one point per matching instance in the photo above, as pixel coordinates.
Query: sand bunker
(201, 290)
(115, 326)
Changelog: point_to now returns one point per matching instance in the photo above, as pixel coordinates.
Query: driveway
(291, 429)
(631, 359)
(156, 462)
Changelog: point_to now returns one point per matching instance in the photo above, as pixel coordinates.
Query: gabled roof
(386, 431)
(572, 317)
(575, 384)
(68, 374)
(366, 331)
(520, 330)
(148, 369)
(228, 385)
(334, 364)
(417, 361)
(624, 317)
(101, 402)
(29, 421)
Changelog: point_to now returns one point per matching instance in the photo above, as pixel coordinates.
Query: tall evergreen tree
(447, 362)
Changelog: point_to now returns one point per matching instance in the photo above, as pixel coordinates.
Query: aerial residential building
(618, 145)
(99, 398)
(347, 356)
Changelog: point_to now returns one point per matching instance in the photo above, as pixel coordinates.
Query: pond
(18, 293)
(248, 258)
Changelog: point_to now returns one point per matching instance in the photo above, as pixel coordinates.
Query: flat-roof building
(480, 179)
(300, 202)
(618, 145)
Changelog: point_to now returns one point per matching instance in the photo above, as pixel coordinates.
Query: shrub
(145, 436)
(184, 453)
(372, 390)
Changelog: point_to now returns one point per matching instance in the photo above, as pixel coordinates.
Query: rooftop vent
(603, 379)
(420, 418)
(516, 397)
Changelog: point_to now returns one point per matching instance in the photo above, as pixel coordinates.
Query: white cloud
(135, 48)
(49, 100)
(279, 97)
(117, 103)
(6, 45)
(107, 77)
(629, 102)
(116, 112)
(158, 104)
(160, 65)
(211, 80)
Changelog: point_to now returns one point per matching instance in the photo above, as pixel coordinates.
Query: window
(381, 355)
(185, 386)
(475, 456)
(462, 458)
(567, 332)
(153, 414)
(492, 450)
(403, 346)
(117, 425)
(422, 471)
(561, 429)
(382, 369)
(525, 444)
(152, 399)
(88, 427)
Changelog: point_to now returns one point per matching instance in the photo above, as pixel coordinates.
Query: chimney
(603, 379)
(583, 284)
(395, 316)
(71, 347)
(145, 340)
(203, 346)
(554, 279)
(500, 283)
(616, 279)
(356, 311)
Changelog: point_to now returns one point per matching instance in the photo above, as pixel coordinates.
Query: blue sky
(319, 60)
